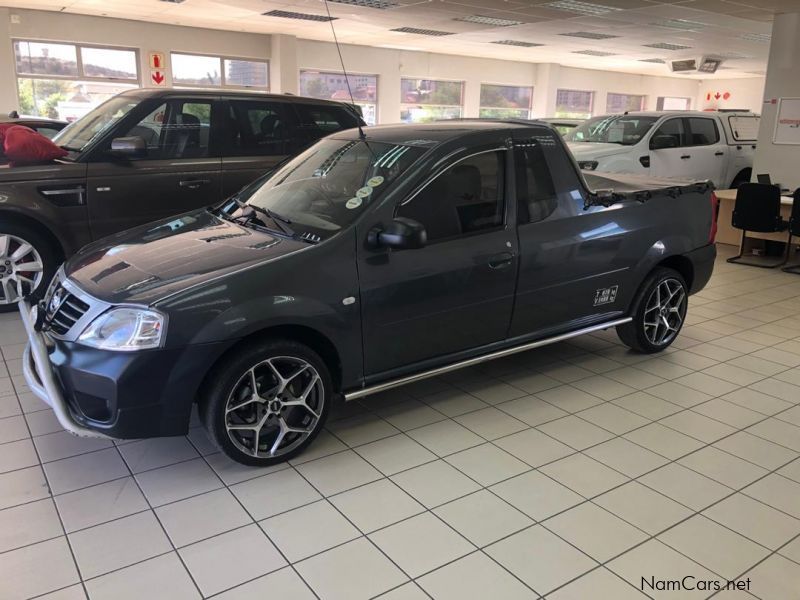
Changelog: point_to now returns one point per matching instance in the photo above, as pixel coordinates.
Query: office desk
(726, 234)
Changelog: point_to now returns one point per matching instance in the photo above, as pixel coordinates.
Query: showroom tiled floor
(569, 472)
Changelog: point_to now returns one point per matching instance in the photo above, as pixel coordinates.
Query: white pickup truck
(716, 146)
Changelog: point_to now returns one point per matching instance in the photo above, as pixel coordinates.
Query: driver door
(674, 160)
(457, 292)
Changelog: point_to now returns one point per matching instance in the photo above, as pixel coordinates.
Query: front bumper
(121, 395)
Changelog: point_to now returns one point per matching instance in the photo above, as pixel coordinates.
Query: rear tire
(659, 311)
(25, 256)
(293, 392)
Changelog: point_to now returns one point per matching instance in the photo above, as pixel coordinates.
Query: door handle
(686, 156)
(193, 184)
(501, 261)
(719, 154)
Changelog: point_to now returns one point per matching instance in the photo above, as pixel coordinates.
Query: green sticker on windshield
(375, 181)
(353, 203)
(364, 192)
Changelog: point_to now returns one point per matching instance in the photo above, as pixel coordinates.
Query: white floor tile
(37, 569)
(483, 517)
(359, 505)
(160, 578)
(474, 577)
(199, 517)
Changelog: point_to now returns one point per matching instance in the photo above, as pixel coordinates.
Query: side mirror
(400, 233)
(659, 142)
(129, 147)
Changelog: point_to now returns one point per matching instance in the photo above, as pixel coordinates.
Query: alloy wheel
(274, 407)
(21, 268)
(664, 312)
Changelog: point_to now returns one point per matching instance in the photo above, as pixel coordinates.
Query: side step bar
(393, 383)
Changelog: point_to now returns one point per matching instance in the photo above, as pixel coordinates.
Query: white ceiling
(708, 27)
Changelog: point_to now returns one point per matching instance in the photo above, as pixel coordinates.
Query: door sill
(393, 383)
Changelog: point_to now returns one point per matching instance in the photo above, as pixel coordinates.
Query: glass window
(536, 193)
(672, 129)
(626, 130)
(574, 104)
(467, 198)
(744, 128)
(620, 103)
(176, 129)
(108, 63)
(53, 82)
(37, 58)
(79, 135)
(258, 128)
(333, 86)
(505, 102)
(196, 70)
(672, 103)
(246, 73)
(704, 131)
(318, 121)
(424, 100)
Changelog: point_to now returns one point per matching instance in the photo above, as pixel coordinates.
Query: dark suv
(366, 262)
(141, 156)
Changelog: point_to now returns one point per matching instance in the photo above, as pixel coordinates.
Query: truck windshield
(325, 188)
(76, 136)
(626, 130)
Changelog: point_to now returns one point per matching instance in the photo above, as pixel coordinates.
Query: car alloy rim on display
(20, 267)
(274, 407)
(664, 312)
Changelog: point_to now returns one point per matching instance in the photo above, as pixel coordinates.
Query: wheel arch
(682, 265)
(23, 220)
(745, 175)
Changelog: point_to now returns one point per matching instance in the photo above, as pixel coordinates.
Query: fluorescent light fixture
(417, 31)
(681, 24)
(483, 20)
(379, 4)
(593, 53)
(665, 46)
(287, 14)
(581, 8)
(519, 43)
(590, 35)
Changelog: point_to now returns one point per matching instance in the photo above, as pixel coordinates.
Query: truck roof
(669, 113)
(429, 134)
(143, 93)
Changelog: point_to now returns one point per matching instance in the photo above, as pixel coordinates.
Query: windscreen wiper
(279, 220)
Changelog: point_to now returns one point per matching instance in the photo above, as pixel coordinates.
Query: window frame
(460, 106)
(481, 106)
(222, 83)
(688, 127)
(592, 93)
(349, 76)
(80, 76)
(734, 131)
(685, 133)
(507, 171)
(642, 103)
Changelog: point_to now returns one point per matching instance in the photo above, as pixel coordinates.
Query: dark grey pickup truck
(364, 263)
(142, 156)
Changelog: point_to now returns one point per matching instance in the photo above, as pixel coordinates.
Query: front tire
(267, 402)
(658, 314)
(26, 259)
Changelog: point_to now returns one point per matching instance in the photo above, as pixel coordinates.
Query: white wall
(733, 93)
(783, 81)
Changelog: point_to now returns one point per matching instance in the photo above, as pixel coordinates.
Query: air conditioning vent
(681, 66)
(593, 53)
(704, 64)
(492, 21)
(519, 43)
(417, 31)
(379, 4)
(590, 35)
(286, 14)
(665, 46)
(709, 64)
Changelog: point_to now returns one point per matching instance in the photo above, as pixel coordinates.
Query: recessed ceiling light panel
(593, 53)
(519, 43)
(417, 31)
(658, 61)
(287, 14)
(379, 4)
(581, 8)
(681, 24)
(664, 46)
(756, 37)
(590, 35)
(484, 20)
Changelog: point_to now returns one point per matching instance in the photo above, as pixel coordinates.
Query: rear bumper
(702, 266)
(101, 393)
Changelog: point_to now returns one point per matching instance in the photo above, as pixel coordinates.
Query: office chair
(794, 227)
(758, 209)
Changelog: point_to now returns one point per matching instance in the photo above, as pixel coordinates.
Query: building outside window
(505, 101)
(574, 104)
(672, 103)
(65, 81)
(620, 103)
(333, 86)
(425, 100)
(194, 70)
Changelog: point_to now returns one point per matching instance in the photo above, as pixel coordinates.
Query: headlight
(589, 165)
(125, 329)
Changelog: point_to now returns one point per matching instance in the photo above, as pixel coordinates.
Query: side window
(536, 194)
(670, 134)
(48, 132)
(325, 119)
(257, 128)
(466, 198)
(704, 131)
(175, 129)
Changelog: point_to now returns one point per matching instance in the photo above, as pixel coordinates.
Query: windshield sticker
(353, 203)
(364, 192)
(375, 181)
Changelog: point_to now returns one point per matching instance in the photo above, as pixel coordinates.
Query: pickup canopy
(608, 188)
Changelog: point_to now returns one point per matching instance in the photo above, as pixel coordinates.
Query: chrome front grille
(64, 310)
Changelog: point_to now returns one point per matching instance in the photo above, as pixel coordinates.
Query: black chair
(794, 227)
(758, 209)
